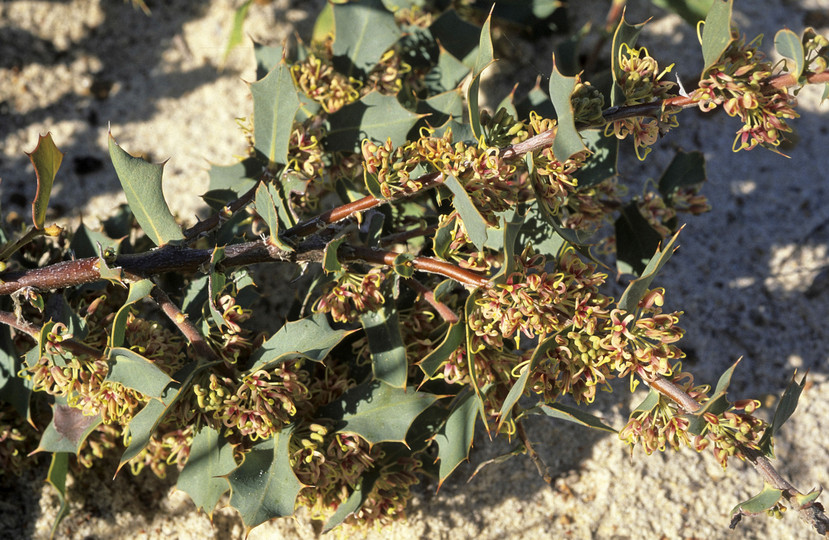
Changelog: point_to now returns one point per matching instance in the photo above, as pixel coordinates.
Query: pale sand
(748, 275)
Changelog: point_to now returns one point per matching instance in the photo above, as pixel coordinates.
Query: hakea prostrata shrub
(443, 275)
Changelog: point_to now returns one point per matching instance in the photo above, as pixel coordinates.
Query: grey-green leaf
(638, 287)
(363, 31)
(716, 34)
(132, 370)
(455, 437)
(141, 182)
(264, 486)
(568, 141)
(311, 338)
(46, 159)
(275, 104)
(375, 116)
(788, 44)
(204, 475)
(377, 412)
(388, 352)
(473, 221)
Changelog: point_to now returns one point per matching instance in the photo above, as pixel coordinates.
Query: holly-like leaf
(456, 435)
(57, 478)
(132, 370)
(264, 486)
(716, 34)
(67, 430)
(238, 177)
(439, 108)
(687, 169)
(203, 478)
(138, 290)
(377, 412)
(85, 242)
(568, 141)
(375, 116)
(572, 414)
(141, 182)
(447, 75)
(716, 405)
(46, 159)
(638, 287)
(363, 31)
(458, 36)
(473, 221)
(311, 338)
(785, 408)
(388, 352)
(455, 336)
(789, 45)
(502, 240)
(484, 58)
(275, 105)
(760, 502)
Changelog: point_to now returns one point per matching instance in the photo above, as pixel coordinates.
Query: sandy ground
(751, 276)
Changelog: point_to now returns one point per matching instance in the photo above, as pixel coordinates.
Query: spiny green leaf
(458, 36)
(311, 338)
(625, 34)
(568, 141)
(68, 429)
(137, 372)
(503, 241)
(388, 352)
(363, 31)
(377, 412)
(141, 182)
(789, 45)
(437, 109)
(484, 58)
(760, 502)
(785, 408)
(238, 177)
(469, 308)
(264, 486)
(454, 338)
(716, 34)
(455, 436)
(403, 266)
(216, 283)
(46, 159)
(375, 116)
(447, 75)
(638, 287)
(57, 478)
(138, 290)
(473, 221)
(203, 478)
(275, 105)
(687, 169)
(330, 261)
(572, 414)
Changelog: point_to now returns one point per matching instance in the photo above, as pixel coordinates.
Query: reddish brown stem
(442, 309)
(424, 264)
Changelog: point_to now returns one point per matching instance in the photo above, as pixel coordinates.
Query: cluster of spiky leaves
(380, 377)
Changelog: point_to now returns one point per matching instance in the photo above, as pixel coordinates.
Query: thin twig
(32, 330)
(443, 310)
(185, 326)
(543, 470)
